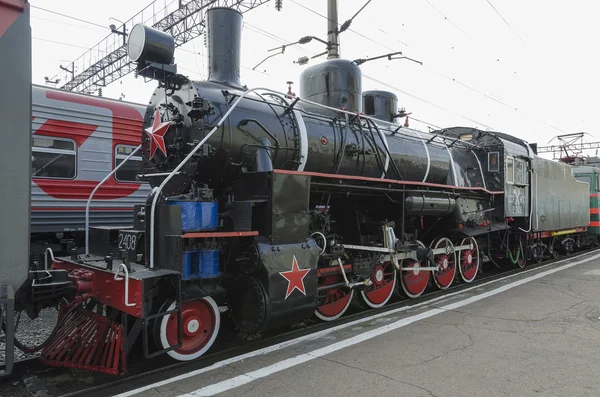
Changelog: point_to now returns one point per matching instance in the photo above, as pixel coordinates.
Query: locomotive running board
(85, 340)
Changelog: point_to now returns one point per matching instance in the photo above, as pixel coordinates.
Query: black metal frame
(146, 321)
(7, 305)
(184, 23)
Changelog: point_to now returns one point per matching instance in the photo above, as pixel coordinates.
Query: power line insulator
(278, 4)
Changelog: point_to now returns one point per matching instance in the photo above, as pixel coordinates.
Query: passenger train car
(77, 140)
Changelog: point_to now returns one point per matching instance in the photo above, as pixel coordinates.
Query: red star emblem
(295, 278)
(157, 134)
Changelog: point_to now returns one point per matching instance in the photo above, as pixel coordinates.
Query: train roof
(46, 88)
(516, 145)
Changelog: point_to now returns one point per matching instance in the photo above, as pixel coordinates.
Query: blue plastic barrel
(197, 215)
(209, 264)
(208, 215)
(187, 261)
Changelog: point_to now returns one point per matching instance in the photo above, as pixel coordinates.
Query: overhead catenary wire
(69, 16)
(428, 102)
(272, 36)
(507, 24)
(447, 19)
(443, 75)
(62, 23)
(339, 24)
(61, 43)
(275, 37)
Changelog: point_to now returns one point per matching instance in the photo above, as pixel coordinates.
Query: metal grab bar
(126, 272)
(87, 206)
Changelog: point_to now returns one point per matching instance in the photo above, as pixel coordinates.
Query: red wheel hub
(378, 279)
(335, 300)
(468, 264)
(414, 281)
(445, 275)
(199, 322)
(384, 282)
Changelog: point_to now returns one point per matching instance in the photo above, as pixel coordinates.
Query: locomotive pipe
(87, 206)
(262, 127)
(420, 205)
(263, 156)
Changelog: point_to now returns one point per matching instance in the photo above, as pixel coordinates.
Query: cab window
(509, 170)
(587, 179)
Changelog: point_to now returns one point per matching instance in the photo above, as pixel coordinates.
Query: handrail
(87, 206)
(126, 273)
(364, 116)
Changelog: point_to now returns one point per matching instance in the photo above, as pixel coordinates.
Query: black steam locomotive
(278, 208)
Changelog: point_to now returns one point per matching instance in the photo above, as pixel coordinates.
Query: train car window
(510, 176)
(597, 183)
(128, 172)
(53, 158)
(520, 172)
(587, 179)
(493, 163)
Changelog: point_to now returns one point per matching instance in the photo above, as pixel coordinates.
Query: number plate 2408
(129, 240)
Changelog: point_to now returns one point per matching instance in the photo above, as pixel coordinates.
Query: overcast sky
(527, 68)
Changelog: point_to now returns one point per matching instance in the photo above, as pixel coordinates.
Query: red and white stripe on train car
(97, 126)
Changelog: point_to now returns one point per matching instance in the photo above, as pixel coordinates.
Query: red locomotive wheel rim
(336, 301)
(335, 308)
(469, 264)
(444, 277)
(469, 261)
(384, 282)
(414, 282)
(200, 321)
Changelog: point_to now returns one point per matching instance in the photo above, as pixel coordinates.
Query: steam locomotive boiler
(276, 208)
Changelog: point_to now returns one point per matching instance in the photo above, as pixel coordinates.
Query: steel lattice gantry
(107, 61)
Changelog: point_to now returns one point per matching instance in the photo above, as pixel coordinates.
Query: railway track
(40, 380)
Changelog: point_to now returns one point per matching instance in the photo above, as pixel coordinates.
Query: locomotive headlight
(151, 45)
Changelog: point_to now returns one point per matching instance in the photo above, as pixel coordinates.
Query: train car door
(594, 181)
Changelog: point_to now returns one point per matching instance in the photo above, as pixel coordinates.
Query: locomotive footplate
(122, 285)
(111, 282)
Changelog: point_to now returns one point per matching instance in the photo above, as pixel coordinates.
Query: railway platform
(536, 333)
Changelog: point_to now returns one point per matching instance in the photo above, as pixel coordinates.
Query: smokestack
(223, 34)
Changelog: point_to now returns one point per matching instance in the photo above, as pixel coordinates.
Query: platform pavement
(536, 334)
